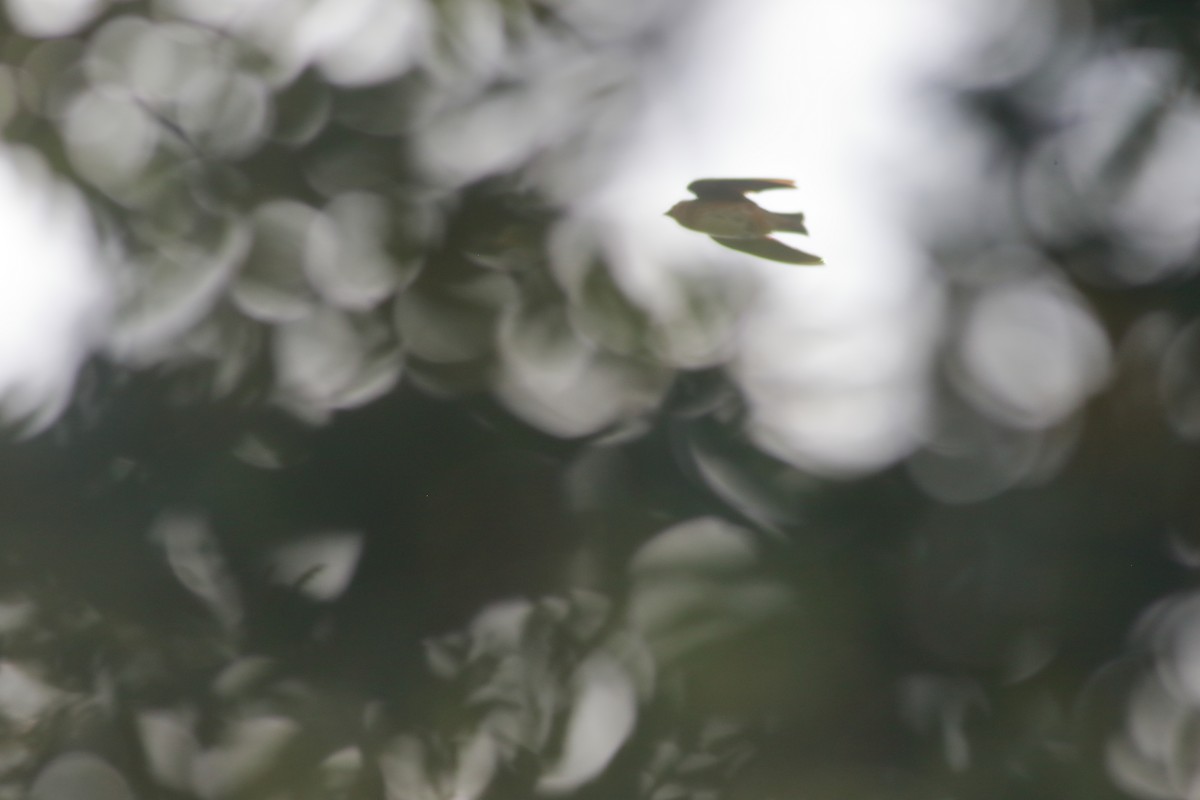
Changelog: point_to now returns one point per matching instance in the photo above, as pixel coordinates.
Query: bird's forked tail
(789, 223)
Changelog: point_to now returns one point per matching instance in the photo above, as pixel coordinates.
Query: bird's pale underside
(723, 211)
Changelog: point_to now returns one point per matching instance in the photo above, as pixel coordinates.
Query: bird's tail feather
(790, 223)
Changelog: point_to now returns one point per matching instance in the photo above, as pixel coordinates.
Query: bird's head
(678, 211)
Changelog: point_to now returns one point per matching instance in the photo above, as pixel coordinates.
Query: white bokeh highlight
(54, 296)
(833, 359)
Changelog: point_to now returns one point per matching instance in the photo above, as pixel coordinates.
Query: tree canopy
(380, 475)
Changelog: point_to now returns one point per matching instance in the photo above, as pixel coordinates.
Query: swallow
(722, 210)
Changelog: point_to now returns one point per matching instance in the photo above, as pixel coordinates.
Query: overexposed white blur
(833, 357)
(53, 294)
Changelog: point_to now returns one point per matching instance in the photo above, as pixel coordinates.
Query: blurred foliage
(384, 485)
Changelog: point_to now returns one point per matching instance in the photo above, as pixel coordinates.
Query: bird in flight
(722, 210)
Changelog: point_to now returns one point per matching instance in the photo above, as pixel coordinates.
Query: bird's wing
(735, 188)
(766, 247)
